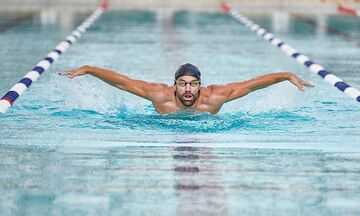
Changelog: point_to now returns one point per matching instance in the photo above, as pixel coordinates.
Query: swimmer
(187, 93)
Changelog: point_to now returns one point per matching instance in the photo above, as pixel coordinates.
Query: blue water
(82, 147)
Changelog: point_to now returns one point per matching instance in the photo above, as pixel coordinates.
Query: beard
(187, 99)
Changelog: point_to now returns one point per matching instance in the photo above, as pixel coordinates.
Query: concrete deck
(322, 6)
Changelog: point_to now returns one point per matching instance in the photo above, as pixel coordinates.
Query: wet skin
(170, 99)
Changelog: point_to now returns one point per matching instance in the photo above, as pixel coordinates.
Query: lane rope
(348, 10)
(290, 51)
(19, 88)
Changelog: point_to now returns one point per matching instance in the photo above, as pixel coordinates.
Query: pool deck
(311, 6)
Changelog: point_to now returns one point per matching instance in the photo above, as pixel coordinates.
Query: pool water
(79, 146)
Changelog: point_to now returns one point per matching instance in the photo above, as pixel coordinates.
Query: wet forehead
(186, 78)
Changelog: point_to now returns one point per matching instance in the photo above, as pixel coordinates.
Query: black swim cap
(188, 70)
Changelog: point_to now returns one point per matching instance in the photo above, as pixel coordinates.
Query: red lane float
(105, 4)
(348, 10)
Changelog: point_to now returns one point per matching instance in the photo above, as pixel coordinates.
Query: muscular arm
(239, 89)
(138, 87)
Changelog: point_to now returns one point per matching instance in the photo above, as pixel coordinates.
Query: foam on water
(80, 146)
(85, 102)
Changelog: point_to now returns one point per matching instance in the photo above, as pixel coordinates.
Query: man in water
(187, 92)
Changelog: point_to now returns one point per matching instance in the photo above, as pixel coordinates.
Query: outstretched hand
(299, 82)
(73, 73)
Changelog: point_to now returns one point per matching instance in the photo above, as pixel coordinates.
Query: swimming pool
(81, 147)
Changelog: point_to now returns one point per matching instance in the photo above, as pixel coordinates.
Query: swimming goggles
(194, 83)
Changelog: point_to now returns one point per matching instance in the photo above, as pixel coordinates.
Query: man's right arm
(138, 87)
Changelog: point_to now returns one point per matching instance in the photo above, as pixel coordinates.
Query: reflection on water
(49, 164)
(199, 188)
(11, 20)
(177, 181)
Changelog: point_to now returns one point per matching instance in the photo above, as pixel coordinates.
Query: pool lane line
(16, 21)
(290, 51)
(348, 10)
(19, 88)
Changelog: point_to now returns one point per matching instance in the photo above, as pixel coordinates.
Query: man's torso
(165, 101)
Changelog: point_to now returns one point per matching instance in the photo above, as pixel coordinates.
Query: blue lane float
(19, 88)
(290, 51)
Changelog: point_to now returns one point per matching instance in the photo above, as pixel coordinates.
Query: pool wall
(328, 6)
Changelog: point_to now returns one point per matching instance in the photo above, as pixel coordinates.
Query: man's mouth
(188, 97)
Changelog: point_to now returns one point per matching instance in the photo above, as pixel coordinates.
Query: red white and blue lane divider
(290, 51)
(19, 88)
(348, 10)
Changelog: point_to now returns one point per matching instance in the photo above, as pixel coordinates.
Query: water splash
(85, 102)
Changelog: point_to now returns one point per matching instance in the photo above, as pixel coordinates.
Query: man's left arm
(239, 89)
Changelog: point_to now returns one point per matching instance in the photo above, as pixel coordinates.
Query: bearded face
(187, 90)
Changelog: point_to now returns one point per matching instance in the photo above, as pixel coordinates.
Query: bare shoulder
(159, 86)
(230, 91)
(216, 90)
(160, 92)
(214, 94)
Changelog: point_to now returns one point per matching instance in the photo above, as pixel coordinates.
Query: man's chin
(187, 103)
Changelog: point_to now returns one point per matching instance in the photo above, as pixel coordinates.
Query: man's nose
(187, 87)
